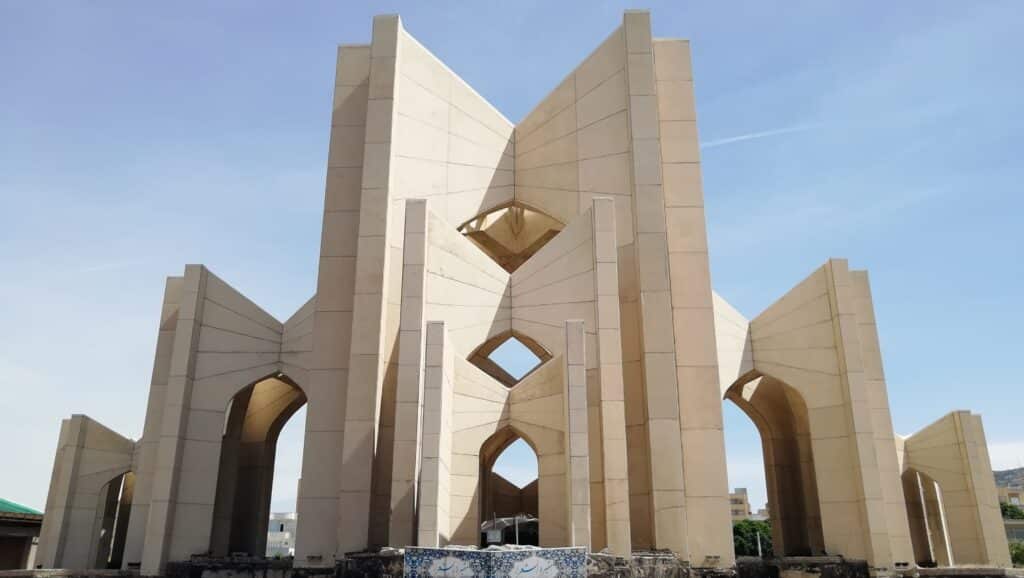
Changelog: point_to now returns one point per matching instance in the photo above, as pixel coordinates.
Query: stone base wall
(644, 564)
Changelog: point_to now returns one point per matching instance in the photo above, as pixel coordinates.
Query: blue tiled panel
(538, 563)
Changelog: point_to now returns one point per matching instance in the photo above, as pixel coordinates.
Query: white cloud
(758, 135)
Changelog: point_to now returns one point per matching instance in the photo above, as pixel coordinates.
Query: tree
(745, 535)
(1017, 553)
(1011, 512)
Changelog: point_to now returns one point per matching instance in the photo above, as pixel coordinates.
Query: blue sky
(137, 137)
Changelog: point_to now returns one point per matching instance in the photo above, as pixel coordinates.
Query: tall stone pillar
(577, 453)
(609, 361)
(409, 397)
(367, 359)
(318, 502)
(664, 429)
(164, 499)
(434, 505)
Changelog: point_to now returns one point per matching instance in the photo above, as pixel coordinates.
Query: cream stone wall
(150, 441)
(807, 339)
(212, 343)
(89, 457)
(953, 453)
(607, 280)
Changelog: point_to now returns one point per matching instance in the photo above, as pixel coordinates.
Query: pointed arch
(499, 498)
(113, 514)
(253, 421)
(780, 414)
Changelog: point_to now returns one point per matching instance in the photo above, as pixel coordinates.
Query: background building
(739, 504)
(1010, 488)
(19, 534)
(281, 535)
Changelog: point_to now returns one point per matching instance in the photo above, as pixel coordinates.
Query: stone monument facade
(580, 232)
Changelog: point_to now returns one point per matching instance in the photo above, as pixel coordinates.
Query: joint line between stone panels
(502, 280)
(482, 189)
(546, 285)
(223, 373)
(240, 314)
(787, 366)
(522, 294)
(312, 312)
(555, 325)
(611, 75)
(460, 305)
(448, 101)
(348, 125)
(448, 162)
(468, 284)
(277, 341)
(543, 265)
(764, 326)
(549, 141)
(602, 119)
(475, 142)
(551, 118)
(560, 163)
(471, 396)
(102, 451)
(576, 99)
(576, 131)
(792, 307)
(446, 129)
(469, 115)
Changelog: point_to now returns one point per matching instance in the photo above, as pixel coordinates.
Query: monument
(580, 233)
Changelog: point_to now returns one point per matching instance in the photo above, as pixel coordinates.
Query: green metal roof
(13, 508)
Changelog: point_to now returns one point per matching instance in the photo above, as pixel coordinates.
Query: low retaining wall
(644, 564)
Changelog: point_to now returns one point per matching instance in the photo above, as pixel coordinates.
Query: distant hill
(1014, 477)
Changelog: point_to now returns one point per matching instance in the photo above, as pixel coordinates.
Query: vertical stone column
(409, 395)
(897, 525)
(974, 451)
(681, 214)
(612, 400)
(54, 531)
(318, 506)
(577, 453)
(136, 529)
(367, 359)
(938, 533)
(164, 498)
(970, 506)
(434, 513)
(860, 438)
(668, 498)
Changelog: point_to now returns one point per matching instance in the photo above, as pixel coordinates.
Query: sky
(136, 137)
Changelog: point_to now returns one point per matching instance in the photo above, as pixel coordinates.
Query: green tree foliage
(1011, 512)
(745, 535)
(1017, 553)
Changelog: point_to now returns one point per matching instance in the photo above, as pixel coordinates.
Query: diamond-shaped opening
(509, 357)
(511, 234)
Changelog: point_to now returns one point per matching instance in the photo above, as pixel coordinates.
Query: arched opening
(509, 512)
(509, 357)
(114, 512)
(780, 415)
(929, 534)
(511, 234)
(245, 480)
